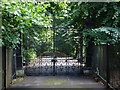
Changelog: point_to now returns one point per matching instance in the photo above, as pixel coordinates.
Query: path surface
(57, 82)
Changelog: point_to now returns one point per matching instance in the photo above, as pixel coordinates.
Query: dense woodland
(88, 23)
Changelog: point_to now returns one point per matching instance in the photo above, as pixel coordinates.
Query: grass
(17, 80)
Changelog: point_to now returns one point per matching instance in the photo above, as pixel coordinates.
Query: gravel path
(57, 82)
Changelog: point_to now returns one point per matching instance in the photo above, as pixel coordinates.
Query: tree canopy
(100, 21)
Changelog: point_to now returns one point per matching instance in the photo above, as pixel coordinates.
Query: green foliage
(29, 54)
(81, 18)
(104, 35)
(65, 41)
(99, 21)
(20, 16)
(9, 27)
(32, 54)
(93, 15)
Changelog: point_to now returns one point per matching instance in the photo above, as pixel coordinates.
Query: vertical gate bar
(53, 68)
(66, 65)
(78, 68)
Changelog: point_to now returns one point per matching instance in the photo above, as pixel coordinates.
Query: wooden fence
(106, 64)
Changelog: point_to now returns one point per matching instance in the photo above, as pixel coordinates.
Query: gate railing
(53, 66)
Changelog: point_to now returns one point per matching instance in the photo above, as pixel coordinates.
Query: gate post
(19, 58)
(54, 60)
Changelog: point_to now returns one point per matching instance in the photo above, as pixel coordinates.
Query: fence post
(107, 67)
(4, 66)
(1, 71)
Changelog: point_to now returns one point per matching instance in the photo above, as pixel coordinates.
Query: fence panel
(101, 55)
(114, 65)
(99, 60)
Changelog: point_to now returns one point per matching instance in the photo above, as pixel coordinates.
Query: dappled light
(60, 44)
